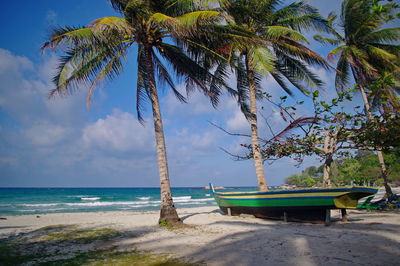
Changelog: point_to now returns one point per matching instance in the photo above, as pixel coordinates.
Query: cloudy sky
(59, 142)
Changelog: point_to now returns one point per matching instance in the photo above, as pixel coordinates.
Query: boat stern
(350, 199)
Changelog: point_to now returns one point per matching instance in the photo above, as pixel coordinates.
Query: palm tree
(277, 48)
(95, 52)
(366, 49)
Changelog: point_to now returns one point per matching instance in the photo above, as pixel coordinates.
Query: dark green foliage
(307, 178)
(361, 168)
(366, 47)
(278, 46)
(166, 29)
(364, 167)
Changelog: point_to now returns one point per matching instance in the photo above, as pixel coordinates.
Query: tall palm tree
(277, 49)
(97, 51)
(366, 49)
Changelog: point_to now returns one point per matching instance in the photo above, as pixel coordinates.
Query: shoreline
(215, 239)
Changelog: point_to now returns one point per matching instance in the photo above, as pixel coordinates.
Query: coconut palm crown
(366, 50)
(97, 51)
(277, 49)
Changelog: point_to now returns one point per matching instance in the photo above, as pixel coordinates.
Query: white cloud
(238, 121)
(24, 91)
(46, 133)
(188, 143)
(118, 132)
(9, 62)
(56, 145)
(206, 140)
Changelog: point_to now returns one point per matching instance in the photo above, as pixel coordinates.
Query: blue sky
(53, 143)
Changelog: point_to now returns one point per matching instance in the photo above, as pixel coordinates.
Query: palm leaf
(165, 78)
(278, 32)
(343, 72)
(70, 36)
(263, 60)
(383, 36)
(280, 80)
(195, 75)
(119, 5)
(325, 40)
(142, 87)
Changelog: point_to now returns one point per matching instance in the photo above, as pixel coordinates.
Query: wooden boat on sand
(311, 204)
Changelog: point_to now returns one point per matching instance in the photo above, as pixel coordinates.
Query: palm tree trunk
(258, 163)
(384, 173)
(167, 211)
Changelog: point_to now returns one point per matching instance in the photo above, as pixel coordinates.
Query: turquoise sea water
(54, 200)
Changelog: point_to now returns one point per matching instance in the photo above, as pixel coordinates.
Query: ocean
(17, 201)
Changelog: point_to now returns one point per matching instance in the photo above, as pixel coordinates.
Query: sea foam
(143, 198)
(90, 198)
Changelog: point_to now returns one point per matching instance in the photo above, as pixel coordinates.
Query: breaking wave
(143, 198)
(90, 198)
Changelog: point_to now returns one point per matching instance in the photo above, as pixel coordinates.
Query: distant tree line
(361, 168)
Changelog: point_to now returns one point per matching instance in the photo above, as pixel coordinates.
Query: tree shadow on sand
(73, 245)
(369, 239)
(282, 243)
(268, 242)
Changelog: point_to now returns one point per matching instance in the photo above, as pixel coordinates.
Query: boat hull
(302, 204)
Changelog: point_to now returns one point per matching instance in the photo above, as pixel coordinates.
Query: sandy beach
(369, 238)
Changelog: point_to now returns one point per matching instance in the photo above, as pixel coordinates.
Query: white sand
(367, 239)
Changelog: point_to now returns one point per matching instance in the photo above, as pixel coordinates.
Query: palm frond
(302, 16)
(336, 52)
(110, 70)
(296, 70)
(342, 73)
(263, 60)
(325, 40)
(198, 17)
(281, 82)
(278, 32)
(70, 36)
(142, 87)
(165, 78)
(388, 35)
(137, 11)
(242, 86)
(119, 5)
(87, 64)
(195, 75)
(300, 51)
(381, 54)
(112, 24)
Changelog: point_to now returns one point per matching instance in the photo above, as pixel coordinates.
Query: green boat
(311, 204)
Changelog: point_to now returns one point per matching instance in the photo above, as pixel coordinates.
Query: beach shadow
(303, 244)
(11, 227)
(73, 245)
(217, 211)
(183, 218)
(248, 241)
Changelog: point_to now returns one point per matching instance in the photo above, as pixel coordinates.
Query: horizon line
(134, 187)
